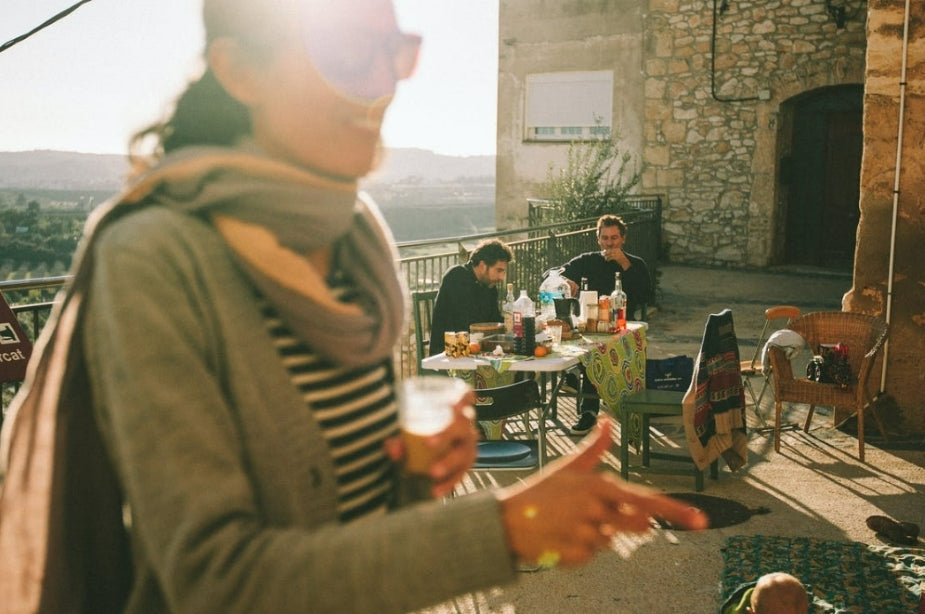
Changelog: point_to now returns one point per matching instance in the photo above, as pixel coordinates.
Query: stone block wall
(708, 116)
(904, 302)
(712, 113)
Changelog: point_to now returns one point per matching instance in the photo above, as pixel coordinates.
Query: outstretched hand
(569, 511)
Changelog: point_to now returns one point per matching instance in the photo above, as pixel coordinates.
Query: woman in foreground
(234, 314)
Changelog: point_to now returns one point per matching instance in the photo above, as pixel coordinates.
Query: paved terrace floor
(815, 487)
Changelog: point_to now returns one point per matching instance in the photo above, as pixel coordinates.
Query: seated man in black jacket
(469, 292)
(598, 268)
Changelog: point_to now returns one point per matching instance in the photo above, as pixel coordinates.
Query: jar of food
(603, 309)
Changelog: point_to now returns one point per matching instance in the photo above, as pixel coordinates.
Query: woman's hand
(569, 511)
(454, 448)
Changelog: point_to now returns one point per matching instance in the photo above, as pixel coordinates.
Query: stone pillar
(905, 375)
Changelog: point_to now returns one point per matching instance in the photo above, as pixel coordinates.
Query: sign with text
(15, 347)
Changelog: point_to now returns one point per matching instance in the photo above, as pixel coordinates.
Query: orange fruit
(540, 351)
(475, 347)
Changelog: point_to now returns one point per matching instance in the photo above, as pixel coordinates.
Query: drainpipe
(899, 147)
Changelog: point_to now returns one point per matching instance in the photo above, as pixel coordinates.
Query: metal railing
(537, 247)
(423, 263)
(32, 314)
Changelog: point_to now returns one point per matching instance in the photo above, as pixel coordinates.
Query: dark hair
(205, 114)
(490, 251)
(609, 219)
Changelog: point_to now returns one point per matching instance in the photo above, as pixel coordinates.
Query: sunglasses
(350, 63)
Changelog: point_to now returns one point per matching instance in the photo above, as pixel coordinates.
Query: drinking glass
(426, 408)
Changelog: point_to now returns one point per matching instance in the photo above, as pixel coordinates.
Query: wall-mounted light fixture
(840, 13)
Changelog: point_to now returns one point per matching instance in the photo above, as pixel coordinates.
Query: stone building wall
(711, 137)
(905, 380)
(544, 36)
(716, 162)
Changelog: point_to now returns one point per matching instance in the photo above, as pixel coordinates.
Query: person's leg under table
(589, 408)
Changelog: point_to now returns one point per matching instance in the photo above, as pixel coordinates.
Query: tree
(597, 179)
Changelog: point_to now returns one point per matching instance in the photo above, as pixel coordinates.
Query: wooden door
(823, 178)
(842, 189)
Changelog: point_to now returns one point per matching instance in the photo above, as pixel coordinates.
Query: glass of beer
(426, 408)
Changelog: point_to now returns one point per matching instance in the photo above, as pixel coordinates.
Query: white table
(547, 364)
(593, 350)
(553, 365)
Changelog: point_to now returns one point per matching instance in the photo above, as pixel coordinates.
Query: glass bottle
(618, 305)
(507, 310)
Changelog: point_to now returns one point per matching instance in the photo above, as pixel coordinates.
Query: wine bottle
(618, 305)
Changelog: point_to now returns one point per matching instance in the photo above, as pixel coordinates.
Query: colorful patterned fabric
(615, 364)
(840, 576)
(714, 405)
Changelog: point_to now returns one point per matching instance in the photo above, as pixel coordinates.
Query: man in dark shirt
(598, 268)
(469, 292)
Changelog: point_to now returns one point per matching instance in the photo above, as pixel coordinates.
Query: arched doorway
(820, 176)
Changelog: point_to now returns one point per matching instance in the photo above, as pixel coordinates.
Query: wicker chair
(864, 335)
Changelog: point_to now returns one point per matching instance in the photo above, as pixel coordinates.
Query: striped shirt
(357, 411)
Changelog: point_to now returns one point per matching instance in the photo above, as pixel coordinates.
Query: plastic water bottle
(553, 287)
(523, 308)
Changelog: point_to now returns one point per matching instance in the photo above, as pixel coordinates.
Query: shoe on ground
(586, 422)
(899, 532)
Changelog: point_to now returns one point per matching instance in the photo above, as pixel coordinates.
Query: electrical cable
(42, 26)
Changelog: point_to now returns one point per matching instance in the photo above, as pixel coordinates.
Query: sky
(88, 82)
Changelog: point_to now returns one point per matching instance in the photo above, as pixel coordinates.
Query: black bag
(672, 373)
(830, 366)
(817, 370)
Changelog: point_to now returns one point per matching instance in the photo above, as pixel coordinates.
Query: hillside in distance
(62, 170)
(420, 166)
(66, 170)
(423, 195)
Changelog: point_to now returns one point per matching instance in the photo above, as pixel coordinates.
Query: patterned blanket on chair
(714, 405)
